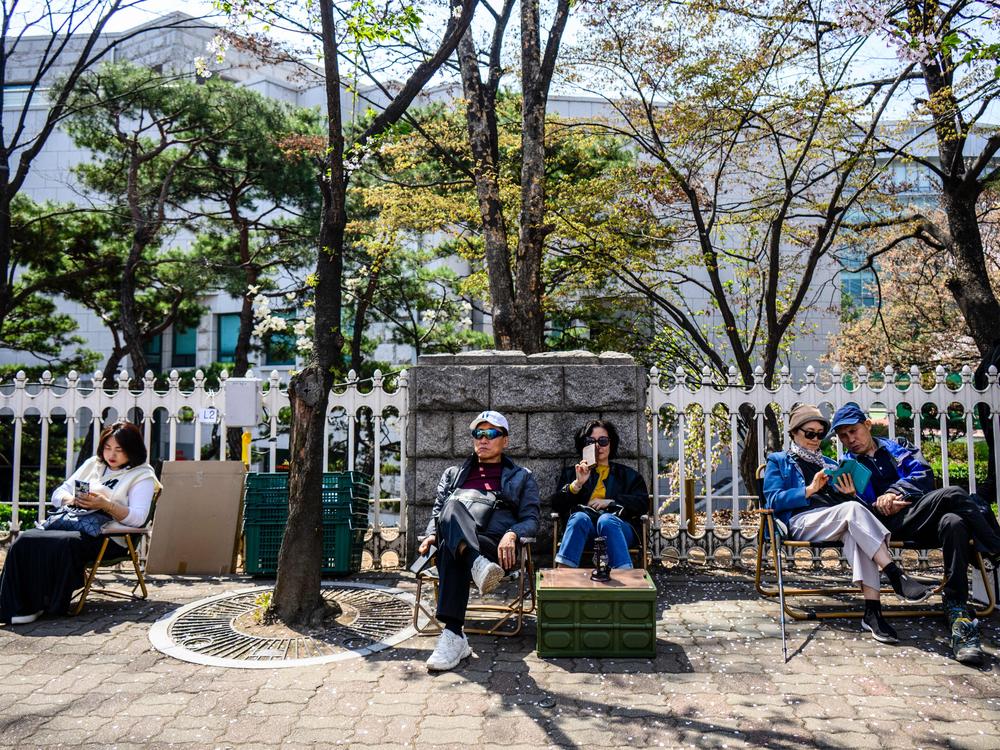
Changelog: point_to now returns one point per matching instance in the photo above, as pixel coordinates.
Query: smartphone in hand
(590, 454)
(81, 488)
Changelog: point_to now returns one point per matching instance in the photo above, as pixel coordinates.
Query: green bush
(27, 516)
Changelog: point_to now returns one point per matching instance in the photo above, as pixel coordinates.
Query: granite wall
(546, 397)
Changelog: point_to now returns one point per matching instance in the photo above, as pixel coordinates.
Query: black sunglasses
(490, 433)
(604, 441)
(812, 434)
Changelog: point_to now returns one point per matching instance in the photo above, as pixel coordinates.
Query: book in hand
(594, 514)
(858, 472)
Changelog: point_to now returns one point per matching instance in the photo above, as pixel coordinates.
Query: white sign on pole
(208, 415)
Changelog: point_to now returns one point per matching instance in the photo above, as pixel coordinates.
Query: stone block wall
(546, 397)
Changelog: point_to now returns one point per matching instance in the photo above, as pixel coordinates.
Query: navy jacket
(519, 514)
(916, 478)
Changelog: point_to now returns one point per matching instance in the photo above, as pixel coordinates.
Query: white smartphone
(590, 454)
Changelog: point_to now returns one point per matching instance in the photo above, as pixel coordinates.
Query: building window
(228, 328)
(153, 349)
(185, 346)
(858, 288)
(279, 346)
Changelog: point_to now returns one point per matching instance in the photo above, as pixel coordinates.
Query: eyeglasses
(812, 434)
(604, 441)
(491, 433)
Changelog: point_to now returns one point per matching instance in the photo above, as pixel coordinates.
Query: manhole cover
(221, 631)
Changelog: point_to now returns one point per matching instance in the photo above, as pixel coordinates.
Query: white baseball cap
(495, 418)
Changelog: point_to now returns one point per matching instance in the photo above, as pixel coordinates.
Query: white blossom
(218, 46)
(201, 67)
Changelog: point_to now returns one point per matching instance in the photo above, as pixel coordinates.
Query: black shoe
(911, 590)
(965, 642)
(881, 631)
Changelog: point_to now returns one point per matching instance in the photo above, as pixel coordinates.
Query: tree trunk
(480, 118)
(6, 245)
(969, 282)
(129, 321)
(297, 598)
(241, 359)
(531, 235)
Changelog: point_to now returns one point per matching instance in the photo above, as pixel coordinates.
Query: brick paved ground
(717, 681)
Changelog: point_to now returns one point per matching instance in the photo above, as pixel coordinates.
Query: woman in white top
(44, 566)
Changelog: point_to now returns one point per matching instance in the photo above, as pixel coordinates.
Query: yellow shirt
(602, 475)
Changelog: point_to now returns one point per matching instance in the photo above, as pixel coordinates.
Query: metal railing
(677, 406)
(87, 405)
(687, 445)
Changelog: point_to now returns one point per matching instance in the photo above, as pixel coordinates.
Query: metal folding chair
(112, 554)
(505, 617)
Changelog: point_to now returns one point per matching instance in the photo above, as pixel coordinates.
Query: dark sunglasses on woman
(812, 434)
(604, 441)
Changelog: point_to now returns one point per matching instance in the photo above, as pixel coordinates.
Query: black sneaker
(965, 642)
(911, 590)
(881, 631)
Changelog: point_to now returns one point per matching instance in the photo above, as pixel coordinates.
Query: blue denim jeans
(580, 532)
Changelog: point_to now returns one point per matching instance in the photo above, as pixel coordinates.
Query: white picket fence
(676, 402)
(89, 404)
(676, 406)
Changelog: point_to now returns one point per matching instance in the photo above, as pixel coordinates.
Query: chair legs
(766, 536)
(505, 619)
(92, 573)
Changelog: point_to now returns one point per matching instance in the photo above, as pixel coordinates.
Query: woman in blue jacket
(798, 490)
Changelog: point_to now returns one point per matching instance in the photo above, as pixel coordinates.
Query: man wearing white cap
(469, 554)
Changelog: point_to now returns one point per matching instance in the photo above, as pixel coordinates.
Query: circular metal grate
(213, 631)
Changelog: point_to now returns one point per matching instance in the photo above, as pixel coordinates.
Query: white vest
(115, 483)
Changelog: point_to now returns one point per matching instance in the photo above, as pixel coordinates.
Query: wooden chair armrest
(116, 529)
(527, 539)
(553, 515)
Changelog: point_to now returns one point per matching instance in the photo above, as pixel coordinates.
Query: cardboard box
(197, 518)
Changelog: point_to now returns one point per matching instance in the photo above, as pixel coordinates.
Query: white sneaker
(25, 619)
(486, 574)
(448, 652)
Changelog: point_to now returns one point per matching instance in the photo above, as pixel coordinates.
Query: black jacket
(624, 485)
(519, 514)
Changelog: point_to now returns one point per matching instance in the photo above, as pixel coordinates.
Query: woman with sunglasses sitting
(798, 490)
(606, 499)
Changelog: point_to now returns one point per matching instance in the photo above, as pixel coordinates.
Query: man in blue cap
(903, 497)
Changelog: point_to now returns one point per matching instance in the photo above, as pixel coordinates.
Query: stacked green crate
(345, 520)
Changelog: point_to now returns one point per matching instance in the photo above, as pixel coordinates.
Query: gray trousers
(854, 526)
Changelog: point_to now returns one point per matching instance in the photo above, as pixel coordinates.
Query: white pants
(851, 524)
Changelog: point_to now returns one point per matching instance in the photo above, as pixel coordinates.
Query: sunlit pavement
(717, 681)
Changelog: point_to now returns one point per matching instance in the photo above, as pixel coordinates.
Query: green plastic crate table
(581, 617)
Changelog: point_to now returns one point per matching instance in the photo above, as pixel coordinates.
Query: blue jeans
(580, 532)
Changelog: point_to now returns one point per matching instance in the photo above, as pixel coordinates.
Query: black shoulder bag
(480, 505)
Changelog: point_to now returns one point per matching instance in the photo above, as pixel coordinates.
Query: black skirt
(42, 570)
